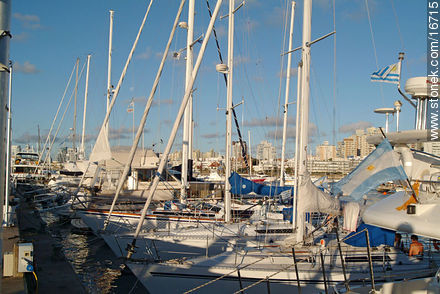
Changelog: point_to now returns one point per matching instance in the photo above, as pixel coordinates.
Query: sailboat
(300, 264)
(194, 231)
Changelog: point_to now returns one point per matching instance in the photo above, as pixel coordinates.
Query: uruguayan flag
(389, 74)
(381, 166)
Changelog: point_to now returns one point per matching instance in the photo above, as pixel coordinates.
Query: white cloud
(146, 54)
(268, 121)
(26, 67)
(352, 127)
(28, 21)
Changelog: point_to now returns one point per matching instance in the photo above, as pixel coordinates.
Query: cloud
(212, 135)
(291, 133)
(27, 138)
(163, 102)
(142, 101)
(268, 121)
(352, 127)
(123, 132)
(26, 68)
(28, 21)
(20, 37)
(146, 54)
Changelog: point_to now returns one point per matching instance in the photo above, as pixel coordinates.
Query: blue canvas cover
(242, 186)
(378, 236)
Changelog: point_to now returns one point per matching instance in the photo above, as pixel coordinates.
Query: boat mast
(167, 150)
(109, 67)
(304, 107)
(227, 199)
(82, 150)
(74, 111)
(6, 216)
(187, 118)
(5, 16)
(286, 103)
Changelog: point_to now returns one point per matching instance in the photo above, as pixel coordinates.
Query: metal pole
(187, 117)
(82, 151)
(227, 200)
(347, 286)
(286, 100)
(370, 262)
(296, 270)
(5, 15)
(109, 67)
(305, 97)
(6, 215)
(268, 285)
(250, 154)
(74, 111)
(323, 272)
(297, 144)
(167, 150)
(239, 281)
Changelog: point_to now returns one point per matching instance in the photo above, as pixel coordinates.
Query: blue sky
(49, 35)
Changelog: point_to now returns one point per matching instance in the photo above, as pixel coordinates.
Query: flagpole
(401, 55)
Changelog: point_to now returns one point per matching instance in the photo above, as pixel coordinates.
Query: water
(92, 260)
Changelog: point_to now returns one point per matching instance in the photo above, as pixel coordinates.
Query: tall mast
(6, 216)
(74, 110)
(229, 112)
(304, 107)
(187, 118)
(286, 103)
(5, 17)
(109, 66)
(82, 150)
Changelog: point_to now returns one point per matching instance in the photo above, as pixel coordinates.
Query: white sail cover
(101, 150)
(312, 199)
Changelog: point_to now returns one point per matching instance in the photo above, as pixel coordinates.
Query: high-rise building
(237, 152)
(326, 151)
(356, 145)
(266, 152)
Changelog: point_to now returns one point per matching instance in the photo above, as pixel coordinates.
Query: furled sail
(101, 150)
(312, 199)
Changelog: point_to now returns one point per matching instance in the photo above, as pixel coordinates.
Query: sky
(49, 36)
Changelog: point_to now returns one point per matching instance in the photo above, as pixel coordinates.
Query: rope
(374, 47)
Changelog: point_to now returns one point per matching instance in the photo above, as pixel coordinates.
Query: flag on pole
(130, 106)
(381, 166)
(389, 74)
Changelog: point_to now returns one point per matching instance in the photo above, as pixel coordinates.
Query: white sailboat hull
(423, 223)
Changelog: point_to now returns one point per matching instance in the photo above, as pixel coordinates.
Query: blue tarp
(377, 236)
(242, 186)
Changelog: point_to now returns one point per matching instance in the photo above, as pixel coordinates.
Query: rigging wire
(283, 49)
(374, 48)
